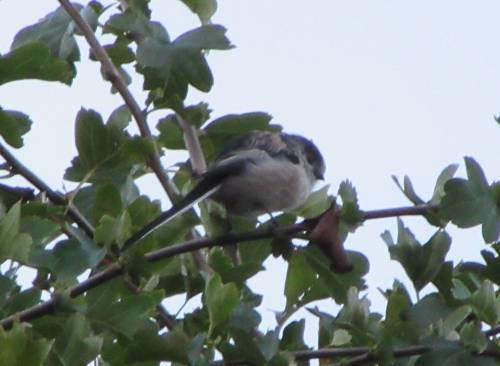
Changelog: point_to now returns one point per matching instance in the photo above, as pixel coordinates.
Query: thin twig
(113, 76)
(54, 197)
(199, 165)
(400, 211)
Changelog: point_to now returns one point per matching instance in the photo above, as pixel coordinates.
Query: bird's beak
(319, 176)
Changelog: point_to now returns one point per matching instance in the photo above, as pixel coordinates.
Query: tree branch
(112, 75)
(54, 197)
(193, 146)
(400, 211)
(199, 243)
(199, 166)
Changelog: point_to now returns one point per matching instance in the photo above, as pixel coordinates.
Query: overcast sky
(382, 87)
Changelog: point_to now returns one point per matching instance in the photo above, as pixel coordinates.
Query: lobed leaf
(13, 125)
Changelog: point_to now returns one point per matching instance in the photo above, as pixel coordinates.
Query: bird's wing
(209, 183)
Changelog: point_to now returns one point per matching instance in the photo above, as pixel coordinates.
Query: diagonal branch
(113, 76)
(54, 197)
(199, 165)
(116, 270)
(72, 212)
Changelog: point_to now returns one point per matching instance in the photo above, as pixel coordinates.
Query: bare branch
(400, 211)
(193, 146)
(199, 165)
(113, 76)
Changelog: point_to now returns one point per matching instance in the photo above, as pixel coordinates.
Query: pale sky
(382, 87)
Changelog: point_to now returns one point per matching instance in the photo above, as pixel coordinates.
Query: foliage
(120, 320)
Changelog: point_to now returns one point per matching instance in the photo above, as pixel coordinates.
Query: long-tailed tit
(257, 173)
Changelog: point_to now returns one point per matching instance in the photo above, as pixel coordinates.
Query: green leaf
(13, 125)
(94, 143)
(127, 315)
(472, 336)
(427, 311)
(119, 118)
(455, 319)
(41, 230)
(299, 278)
(137, 149)
(56, 30)
(232, 125)
(90, 13)
(398, 305)
(332, 284)
(114, 230)
(170, 67)
(293, 336)
(444, 177)
(408, 190)
(341, 337)
(222, 130)
(205, 9)
(13, 245)
(444, 353)
(20, 348)
(22, 300)
(220, 299)
(350, 213)
(245, 317)
(69, 258)
(206, 37)
(76, 344)
(175, 229)
(269, 344)
(355, 313)
(196, 114)
(485, 304)
(420, 262)
(107, 201)
(137, 23)
(471, 202)
(171, 135)
(317, 203)
(34, 61)
(120, 53)
(148, 347)
(244, 348)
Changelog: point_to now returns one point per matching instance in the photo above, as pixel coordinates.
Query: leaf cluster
(122, 321)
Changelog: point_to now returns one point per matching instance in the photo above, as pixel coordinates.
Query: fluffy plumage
(260, 172)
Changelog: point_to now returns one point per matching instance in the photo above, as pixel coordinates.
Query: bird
(257, 173)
